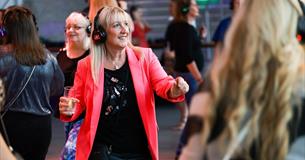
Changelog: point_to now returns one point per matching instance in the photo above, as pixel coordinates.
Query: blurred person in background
(115, 85)
(247, 111)
(172, 9)
(185, 42)
(221, 30)
(77, 33)
(168, 56)
(141, 28)
(32, 79)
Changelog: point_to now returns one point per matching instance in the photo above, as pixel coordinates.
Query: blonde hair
(256, 75)
(106, 17)
(83, 21)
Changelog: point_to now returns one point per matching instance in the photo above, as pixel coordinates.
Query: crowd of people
(248, 105)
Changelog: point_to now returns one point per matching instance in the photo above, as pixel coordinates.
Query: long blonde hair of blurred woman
(95, 5)
(256, 74)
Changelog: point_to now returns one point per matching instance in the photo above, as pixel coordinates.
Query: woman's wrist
(199, 79)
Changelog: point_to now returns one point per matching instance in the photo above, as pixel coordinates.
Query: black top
(120, 124)
(184, 40)
(69, 66)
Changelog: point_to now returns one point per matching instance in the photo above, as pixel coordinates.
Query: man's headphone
(99, 34)
(8, 12)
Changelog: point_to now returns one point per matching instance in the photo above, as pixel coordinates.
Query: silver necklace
(114, 63)
(116, 66)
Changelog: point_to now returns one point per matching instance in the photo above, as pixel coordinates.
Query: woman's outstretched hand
(179, 88)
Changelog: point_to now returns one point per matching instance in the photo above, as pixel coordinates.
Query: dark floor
(167, 116)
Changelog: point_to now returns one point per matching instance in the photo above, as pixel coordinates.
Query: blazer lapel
(98, 94)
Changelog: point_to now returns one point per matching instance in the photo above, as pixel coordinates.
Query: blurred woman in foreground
(245, 112)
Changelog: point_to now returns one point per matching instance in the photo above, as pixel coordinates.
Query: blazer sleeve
(160, 81)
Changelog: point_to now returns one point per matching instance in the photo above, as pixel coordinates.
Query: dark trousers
(30, 135)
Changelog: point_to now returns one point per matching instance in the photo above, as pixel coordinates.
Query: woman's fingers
(182, 85)
(67, 105)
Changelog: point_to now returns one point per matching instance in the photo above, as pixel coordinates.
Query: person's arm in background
(192, 67)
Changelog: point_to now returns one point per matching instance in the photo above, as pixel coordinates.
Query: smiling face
(118, 27)
(75, 29)
(118, 34)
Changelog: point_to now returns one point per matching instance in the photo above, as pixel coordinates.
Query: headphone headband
(15, 9)
(99, 34)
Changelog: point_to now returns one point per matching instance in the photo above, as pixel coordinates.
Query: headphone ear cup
(301, 24)
(3, 32)
(99, 35)
(185, 9)
(88, 30)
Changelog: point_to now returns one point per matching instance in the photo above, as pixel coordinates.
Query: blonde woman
(244, 114)
(115, 86)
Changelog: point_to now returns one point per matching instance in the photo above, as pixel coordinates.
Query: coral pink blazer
(147, 75)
